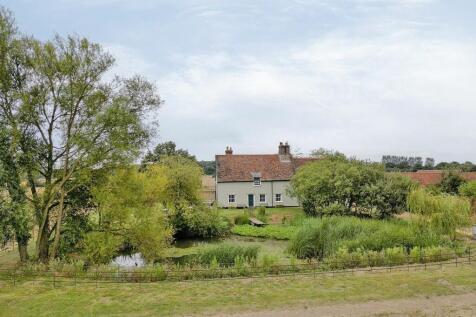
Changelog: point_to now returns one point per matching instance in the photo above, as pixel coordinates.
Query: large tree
(336, 185)
(75, 120)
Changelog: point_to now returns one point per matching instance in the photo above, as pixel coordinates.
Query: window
(279, 198)
(257, 181)
(262, 198)
(231, 198)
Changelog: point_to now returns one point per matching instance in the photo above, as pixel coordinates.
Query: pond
(184, 247)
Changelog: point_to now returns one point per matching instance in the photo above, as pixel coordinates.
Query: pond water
(184, 247)
(129, 261)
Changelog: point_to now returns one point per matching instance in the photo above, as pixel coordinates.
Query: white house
(249, 180)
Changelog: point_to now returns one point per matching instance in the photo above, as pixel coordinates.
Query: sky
(364, 77)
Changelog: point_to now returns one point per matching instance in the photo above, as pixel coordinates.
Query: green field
(226, 296)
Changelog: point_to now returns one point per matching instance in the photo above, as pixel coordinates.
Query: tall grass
(319, 238)
(225, 254)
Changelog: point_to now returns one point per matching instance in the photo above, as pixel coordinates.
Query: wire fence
(99, 276)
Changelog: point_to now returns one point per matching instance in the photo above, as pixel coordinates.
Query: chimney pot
(228, 150)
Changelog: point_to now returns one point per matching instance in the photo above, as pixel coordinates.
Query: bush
(226, 254)
(100, 247)
(203, 222)
(242, 219)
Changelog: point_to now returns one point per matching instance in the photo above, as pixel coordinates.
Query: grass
(228, 296)
(275, 215)
(279, 232)
(322, 237)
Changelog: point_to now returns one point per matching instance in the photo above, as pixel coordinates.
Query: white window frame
(257, 181)
(231, 197)
(280, 197)
(262, 201)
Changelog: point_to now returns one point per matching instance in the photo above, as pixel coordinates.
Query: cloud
(388, 93)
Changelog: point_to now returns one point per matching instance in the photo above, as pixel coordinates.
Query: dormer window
(257, 181)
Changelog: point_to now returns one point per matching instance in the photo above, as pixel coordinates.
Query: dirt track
(451, 305)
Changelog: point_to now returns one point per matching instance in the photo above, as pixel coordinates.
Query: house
(433, 177)
(249, 180)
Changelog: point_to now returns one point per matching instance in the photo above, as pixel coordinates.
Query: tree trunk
(54, 250)
(22, 249)
(42, 244)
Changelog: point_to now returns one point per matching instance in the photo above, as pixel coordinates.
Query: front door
(251, 200)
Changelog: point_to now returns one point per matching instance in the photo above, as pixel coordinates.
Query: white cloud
(394, 93)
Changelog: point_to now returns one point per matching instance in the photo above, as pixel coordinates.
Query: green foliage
(337, 186)
(166, 149)
(444, 213)
(129, 208)
(320, 238)
(242, 219)
(209, 167)
(100, 247)
(468, 189)
(204, 222)
(226, 254)
(279, 232)
(450, 183)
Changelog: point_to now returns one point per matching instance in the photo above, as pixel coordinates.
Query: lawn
(227, 296)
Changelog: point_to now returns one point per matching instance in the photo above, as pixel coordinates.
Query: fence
(160, 274)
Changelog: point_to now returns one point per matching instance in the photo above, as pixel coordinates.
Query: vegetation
(335, 185)
(442, 213)
(226, 255)
(320, 238)
(280, 232)
(171, 299)
(450, 183)
(66, 119)
(166, 149)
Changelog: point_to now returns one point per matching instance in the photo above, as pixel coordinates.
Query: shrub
(242, 219)
(204, 223)
(100, 247)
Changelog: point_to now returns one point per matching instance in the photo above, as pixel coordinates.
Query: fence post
(469, 255)
(14, 282)
(97, 277)
(54, 279)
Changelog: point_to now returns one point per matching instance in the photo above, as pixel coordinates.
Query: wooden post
(13, 277)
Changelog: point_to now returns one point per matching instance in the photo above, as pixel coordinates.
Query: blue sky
(365, 77)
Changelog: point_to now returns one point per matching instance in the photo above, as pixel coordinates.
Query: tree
(443, 212)
(130, 212)
(326, 153)
(15, 214)
(450, 183)
(69, 120)
(209, 167)
(165, 149)
(388, 196)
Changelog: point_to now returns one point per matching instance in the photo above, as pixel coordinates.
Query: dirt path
(450, 305)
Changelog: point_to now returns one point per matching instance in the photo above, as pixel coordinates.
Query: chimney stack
(229, 150)
(284, 149)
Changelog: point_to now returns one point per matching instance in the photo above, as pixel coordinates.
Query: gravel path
(450, 305)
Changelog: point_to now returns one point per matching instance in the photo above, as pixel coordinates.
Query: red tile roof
(433, 177)
(240, 168)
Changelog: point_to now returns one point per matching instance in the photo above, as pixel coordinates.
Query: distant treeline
(414, 163)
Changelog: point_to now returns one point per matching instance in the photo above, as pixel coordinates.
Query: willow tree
(444, 213)
(78, 121)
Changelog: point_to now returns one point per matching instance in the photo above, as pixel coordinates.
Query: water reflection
(133, 260)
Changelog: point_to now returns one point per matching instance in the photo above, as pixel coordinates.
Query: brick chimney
(229, 150)
(284, 149)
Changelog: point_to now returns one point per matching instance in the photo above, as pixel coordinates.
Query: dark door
(251, 200)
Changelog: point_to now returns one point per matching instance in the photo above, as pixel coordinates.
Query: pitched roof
(240, 168)
(433, 177)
